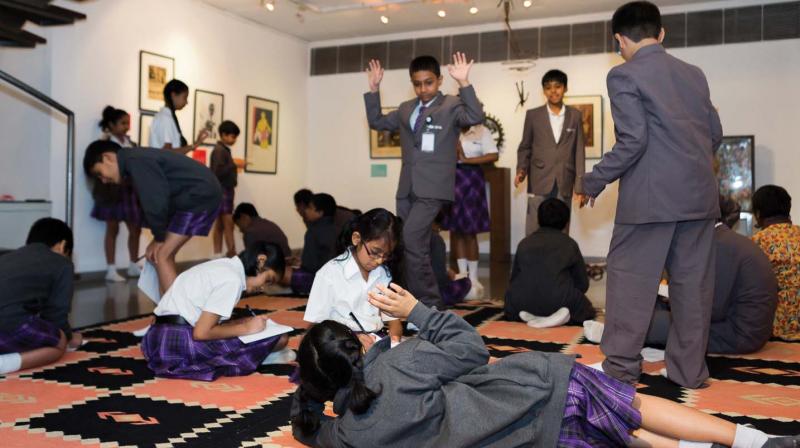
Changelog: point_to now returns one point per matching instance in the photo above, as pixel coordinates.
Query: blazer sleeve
(716, 128)
(580, 155)
(326, 435)
(375, 117)
(526, 145)
(470, 111)
(56, 307)
(578, 270)
(152, 188)
(630, 126)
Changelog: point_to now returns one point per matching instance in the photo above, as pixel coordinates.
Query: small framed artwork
(384, 144)
(591, 107)
(736, 168)
(261, 135)
(145, 121)
(209, 108)
(155, 71)
(201, 155)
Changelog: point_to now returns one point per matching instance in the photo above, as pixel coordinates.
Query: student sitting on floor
(548, 278)
(452, 289)
(319, 243)
(373, 255)
(192, 337)
(436, 390)
(35, 298)
(255, 228)
(341, 218)
(302, 199)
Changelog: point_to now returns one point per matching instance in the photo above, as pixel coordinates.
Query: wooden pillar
(499, 180)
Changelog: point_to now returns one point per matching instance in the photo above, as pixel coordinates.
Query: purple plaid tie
(418, 121)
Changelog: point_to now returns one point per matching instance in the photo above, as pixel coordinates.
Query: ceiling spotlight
(527, 3)
(473, 10)
(384, 20)
(441, 13)
(270, 5)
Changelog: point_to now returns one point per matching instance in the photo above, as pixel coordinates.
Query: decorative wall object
(591, 107)
(494, 126)
(155, 71)
(261, 136)
(736, 169)
(209, 108)
(385, 144)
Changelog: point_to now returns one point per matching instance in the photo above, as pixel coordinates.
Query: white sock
(690, 444)
(462, 265)
(112, 267)
(10, 362)
(472, 265)
(747, 437)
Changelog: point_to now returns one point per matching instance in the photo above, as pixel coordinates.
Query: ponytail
(360, 395)
(307, 420)
(111, 115)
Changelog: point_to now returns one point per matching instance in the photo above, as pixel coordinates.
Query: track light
(442, 14)
(473, 10)
(384, 20)
(269, 4)
(527, 3)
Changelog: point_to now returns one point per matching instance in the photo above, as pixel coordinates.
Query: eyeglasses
(383, 257)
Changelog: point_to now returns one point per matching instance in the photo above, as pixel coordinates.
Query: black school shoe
(783, 442)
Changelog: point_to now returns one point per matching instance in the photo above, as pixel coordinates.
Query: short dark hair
(425, 64)
(771, 200)
(94, 154)
(554, 75)
(245, 208)
(303, 196)
(51, 231)
(553, 213)
(729, 211)
(275, 258)
(324, 203)
(228, 127)
(637, 21)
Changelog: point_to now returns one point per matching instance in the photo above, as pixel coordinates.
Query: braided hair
(176, 87)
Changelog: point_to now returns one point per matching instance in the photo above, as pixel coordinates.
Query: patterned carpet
(104, 396)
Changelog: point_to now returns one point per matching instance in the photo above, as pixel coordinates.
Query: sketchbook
(148, 282)
(272, 329)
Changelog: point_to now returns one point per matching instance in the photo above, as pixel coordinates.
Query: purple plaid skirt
(193, 223)
(172, 352)
(599, 411)
(34, 333)
(227, 202)
(127, 209)
(302, 281)
(469, 213)
(456, 290)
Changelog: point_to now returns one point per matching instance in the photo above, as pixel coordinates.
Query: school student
(180, 197)
(255, 228)
(437, 390)
(193, 338)
(302, 198)
(551, 153)
(453, 289)
(225, 169)
(548, 280)
(320, 239)
(341, 219)
(36, 283)
(429, 128)
(373, 251)
(165, 131)
(667, 131)
(115, 203)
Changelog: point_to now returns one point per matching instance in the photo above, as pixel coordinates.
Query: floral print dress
(781, 243)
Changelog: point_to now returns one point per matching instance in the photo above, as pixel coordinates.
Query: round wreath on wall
(494, 126)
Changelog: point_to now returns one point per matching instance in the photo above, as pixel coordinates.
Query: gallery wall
(752, 84)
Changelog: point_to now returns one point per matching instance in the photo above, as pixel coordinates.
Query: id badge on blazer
(428, 139)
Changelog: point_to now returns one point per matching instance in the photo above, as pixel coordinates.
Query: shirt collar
(648, 49)
(239, 266)
(428, 104)
(351, 268)
(560, 113)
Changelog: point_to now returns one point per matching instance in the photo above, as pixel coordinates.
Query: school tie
(418, 121)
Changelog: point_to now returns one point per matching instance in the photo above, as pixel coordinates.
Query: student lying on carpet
(193, 338)
(436, 390)
(35, 298)
(372, 255)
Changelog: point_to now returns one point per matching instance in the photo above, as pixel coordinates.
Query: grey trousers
(532, 219)
(638, 255)
(418, 215)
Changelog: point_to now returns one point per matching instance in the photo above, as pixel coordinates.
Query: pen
(357, 322)
(250, 310)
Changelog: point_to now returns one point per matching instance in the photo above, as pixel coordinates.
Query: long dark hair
(111, 116)
(376, 224)
(275, 258)
(330, 358)
(177, 87)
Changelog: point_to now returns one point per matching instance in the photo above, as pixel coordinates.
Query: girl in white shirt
(192, 337)
(372, 256)
(165, 132)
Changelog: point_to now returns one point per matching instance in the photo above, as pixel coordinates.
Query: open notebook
(272, 329)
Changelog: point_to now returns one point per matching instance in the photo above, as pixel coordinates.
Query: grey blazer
(667, 131)
(428, 174)
(546, 162)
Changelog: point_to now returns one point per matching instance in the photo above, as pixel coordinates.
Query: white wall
(96, 62)
(754, 85)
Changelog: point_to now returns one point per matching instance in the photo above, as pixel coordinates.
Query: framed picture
(261, 136)
(209, 108)
(384, 144)
(736, 168)
(591, 107)
(155, 71)
(145, 121)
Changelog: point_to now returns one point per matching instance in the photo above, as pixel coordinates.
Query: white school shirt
(478, 141)
(557, 120)
(163, 130)
(126, 143)
(214, 286)
(339, 289)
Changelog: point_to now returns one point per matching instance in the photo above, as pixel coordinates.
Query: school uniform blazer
(547, 162)
(667, 131)
(428, 174)
(436, 390)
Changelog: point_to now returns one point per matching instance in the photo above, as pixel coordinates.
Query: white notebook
(272, 329)
(148, 282)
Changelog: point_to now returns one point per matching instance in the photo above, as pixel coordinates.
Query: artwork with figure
(261, 136)
(384, 144)
(208, 110)
(591, 108)
(156, 80)
(155, 71)
(735, 165)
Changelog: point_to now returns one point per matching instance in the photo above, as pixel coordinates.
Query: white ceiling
(357, 19)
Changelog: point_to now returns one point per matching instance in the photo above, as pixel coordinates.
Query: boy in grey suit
(429, 129)
(667, 131)
(551, 153)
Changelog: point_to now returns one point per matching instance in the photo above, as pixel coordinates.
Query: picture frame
(145, 121)
(261, 135)
(209, 111)
(385, 144)
(155, 71)
(591, 107)
(735, 170)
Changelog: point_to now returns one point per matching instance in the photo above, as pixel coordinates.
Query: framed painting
(261, 135)
(591, 107)
(735, 169)
(145, 121)
(155, 71)
(209, 108)
(385, 144)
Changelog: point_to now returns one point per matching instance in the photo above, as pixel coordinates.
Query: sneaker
(476, 292)
(113, 276)
(527, 317)
(133, 270)
(216, 256)
(593, 330)
(141, 332)
(284, 356)
(783, 442)
(556, 319)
